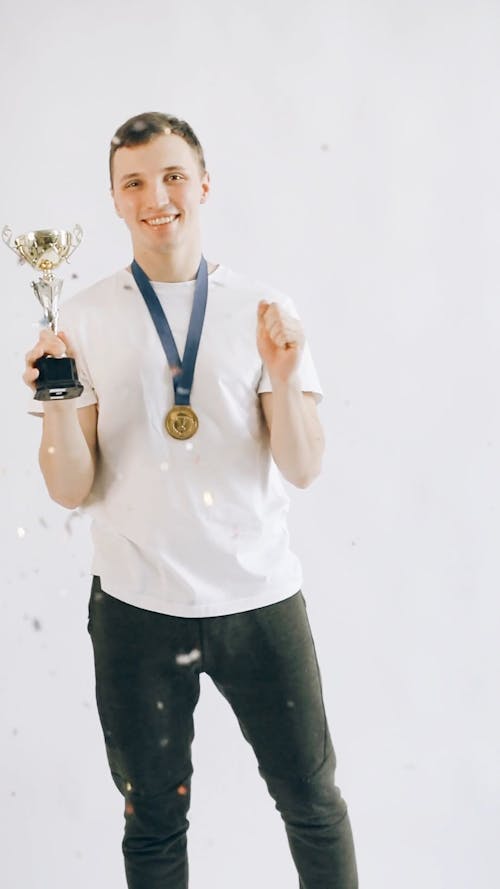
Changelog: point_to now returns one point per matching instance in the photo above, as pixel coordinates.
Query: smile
(160, 220)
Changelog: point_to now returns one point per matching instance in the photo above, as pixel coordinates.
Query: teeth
(161, 220)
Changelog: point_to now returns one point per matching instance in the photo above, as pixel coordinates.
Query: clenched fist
(280, 340)
(48, 344)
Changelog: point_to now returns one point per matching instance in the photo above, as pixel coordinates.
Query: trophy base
(58, 379)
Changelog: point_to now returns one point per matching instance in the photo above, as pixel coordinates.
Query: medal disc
(181, 421)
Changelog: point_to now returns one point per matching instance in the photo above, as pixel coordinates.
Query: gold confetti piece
(128, 786)
(208, 499)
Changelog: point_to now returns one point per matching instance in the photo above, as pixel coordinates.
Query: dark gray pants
(264, 663)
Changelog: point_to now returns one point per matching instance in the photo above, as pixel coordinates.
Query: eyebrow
(165, 170)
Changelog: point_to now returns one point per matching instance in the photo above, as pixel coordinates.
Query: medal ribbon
(182, 381)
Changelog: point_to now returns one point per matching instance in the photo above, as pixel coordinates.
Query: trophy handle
(76, 238)
(7, 237)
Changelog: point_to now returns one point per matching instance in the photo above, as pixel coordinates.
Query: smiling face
(157, 190)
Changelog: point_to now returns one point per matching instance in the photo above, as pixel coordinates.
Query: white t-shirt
(191, 528)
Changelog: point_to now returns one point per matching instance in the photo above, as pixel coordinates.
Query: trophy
(45, 250)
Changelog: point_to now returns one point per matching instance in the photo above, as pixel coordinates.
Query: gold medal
(181, 421)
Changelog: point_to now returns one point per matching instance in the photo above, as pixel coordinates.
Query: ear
(205, 188)
(115, 204)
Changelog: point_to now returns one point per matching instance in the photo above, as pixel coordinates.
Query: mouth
(157, 221)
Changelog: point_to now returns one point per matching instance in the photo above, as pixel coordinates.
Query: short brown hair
(144, 127)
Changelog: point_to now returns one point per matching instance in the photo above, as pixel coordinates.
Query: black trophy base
(58, 379)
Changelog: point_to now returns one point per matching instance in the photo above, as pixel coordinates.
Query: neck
(171, 266)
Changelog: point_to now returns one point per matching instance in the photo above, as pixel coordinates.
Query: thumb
(67, 342)
(262, 309)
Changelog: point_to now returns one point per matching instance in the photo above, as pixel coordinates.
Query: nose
(158, 194)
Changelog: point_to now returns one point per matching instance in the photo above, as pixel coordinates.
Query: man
(178, 459)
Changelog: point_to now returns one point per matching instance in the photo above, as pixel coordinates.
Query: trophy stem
(47, 290)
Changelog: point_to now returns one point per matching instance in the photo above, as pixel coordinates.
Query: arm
(297, 441)
(68, 449)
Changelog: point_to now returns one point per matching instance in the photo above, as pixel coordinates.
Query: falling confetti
(116, 141)
(208, 499)
(183, 660)
(163, 742)
(42, 522)
(74, 275)
(160, 705)
(182, 790)
(21, 533)
(129, 809)
(290, 704)
(139, 126)
(189, 446)
(127, 287)
(51, 449)
(128, 787)
(35, 623)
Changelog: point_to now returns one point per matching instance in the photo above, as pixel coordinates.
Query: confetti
(182, 790)
(208, 499)
(35, 623)
(189, 446)
(163, 467)
(163, 742)
(116, 141)
(183, 660)
(139, 126)
(160, 705)
(21, 533)
(290, 704)
(42, 522)
(128, 787)
(129, 809)
(51, 449)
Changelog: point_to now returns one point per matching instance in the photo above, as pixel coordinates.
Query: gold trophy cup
(44, 250)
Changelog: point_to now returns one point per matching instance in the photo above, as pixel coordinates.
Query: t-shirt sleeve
(68, 323)
(308, 376)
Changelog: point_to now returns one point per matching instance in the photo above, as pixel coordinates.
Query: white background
(354, 155)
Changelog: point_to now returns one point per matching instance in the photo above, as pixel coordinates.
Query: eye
(174, 176)
(132, 184)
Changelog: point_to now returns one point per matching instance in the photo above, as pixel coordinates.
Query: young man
(178, 459)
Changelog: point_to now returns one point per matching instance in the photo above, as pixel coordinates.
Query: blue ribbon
(183, 380)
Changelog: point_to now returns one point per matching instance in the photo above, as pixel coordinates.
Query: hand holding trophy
(44, 250)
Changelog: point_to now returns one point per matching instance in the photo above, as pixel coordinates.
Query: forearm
(65, 459)
(297, 441)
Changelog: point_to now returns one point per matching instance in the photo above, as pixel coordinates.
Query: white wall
(354, 149)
